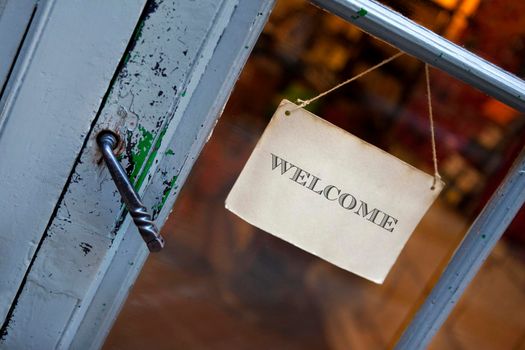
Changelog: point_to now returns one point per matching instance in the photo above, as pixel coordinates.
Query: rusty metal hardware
(107, 141)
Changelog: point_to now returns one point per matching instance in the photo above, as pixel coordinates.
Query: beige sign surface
(330, 193)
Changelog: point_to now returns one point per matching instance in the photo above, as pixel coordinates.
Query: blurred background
(223, 284)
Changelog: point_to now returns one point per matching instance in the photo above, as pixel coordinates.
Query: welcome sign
(326, 191)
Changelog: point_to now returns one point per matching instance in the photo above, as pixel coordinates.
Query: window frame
(486, 230)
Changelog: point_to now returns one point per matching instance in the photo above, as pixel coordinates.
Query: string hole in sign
(287, 113)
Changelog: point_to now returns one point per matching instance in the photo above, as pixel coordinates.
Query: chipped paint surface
(138, 151)
(168, 187)
(360, 13)
(170, 50)
(44, 120)
(200, 116)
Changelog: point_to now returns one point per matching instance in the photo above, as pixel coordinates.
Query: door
(157, 73)
(66, 54)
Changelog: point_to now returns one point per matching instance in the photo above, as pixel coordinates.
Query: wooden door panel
(191, 133)
(15, 16)
(67, 64)
(172, 46)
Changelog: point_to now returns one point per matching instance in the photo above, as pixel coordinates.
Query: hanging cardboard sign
(326, 191)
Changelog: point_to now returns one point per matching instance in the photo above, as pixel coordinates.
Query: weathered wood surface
(54, 94)
(173, 44)
(15, 16)
(190, 135)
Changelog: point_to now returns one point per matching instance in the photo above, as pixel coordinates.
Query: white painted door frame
(15, 17)
(205, 106)
(63, 71)
(172, 85)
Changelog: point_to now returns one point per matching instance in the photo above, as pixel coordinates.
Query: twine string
(437, 177)
(304, 103)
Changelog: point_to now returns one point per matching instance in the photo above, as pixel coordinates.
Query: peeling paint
(86, 247)
(141, 159)
(167, 190)
(136, 37)
(361, 13)
(140, 151)
(91, 197)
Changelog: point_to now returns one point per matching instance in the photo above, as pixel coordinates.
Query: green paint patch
(150, 159)
(361, 13)
(136, 36)
(139, 31)
(169, 152)
(140, 153)
(183, 93)
(126, 58)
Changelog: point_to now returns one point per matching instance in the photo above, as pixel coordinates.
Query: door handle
(107, 141)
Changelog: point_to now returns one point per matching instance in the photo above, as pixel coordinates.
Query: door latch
(107, 141)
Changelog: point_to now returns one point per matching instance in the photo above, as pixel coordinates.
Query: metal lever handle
(107, 141)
